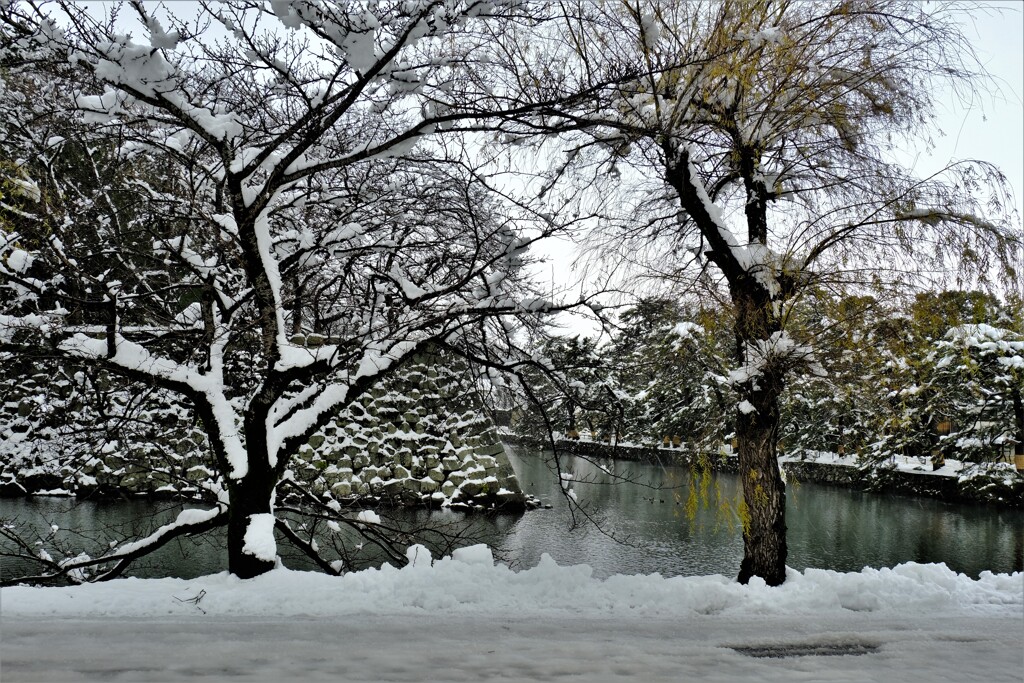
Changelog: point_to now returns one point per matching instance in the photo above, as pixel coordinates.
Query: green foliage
(659, 376)
(893, 373)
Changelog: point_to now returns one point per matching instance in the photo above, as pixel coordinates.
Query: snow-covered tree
(667, 361)
(980, 369)
(932, 376)
(570, 397)
(836, 411)
(182, 198)
(754, 150)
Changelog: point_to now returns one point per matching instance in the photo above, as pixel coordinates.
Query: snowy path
(494, 648)
(466, 619)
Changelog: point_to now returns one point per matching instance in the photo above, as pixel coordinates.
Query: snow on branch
(135, 358)
(188, 522)
(186, 518)
(774, 355)
(933, 217)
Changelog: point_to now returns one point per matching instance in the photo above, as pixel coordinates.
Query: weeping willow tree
(754, 149)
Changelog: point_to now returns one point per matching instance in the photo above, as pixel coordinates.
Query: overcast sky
(991, 129)
(988, 128)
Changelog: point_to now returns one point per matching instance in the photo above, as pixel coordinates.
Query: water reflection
(829, 527)
(646, 526)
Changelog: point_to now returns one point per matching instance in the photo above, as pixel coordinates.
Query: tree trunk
(1018, 420)
(250, 495)
(757, 431)
(764, 492)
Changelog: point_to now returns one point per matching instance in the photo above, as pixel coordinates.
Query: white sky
(991, 129)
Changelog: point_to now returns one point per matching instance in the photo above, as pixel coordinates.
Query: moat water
(635, 518)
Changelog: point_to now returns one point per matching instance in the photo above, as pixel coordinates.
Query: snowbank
(466, 619)
(470, 583)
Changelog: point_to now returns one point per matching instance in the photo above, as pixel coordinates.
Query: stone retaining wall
(420, 438)
(1002, 487)
(665, 456)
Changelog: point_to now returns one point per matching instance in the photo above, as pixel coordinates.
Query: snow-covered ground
(902, 463)
(467, 619)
